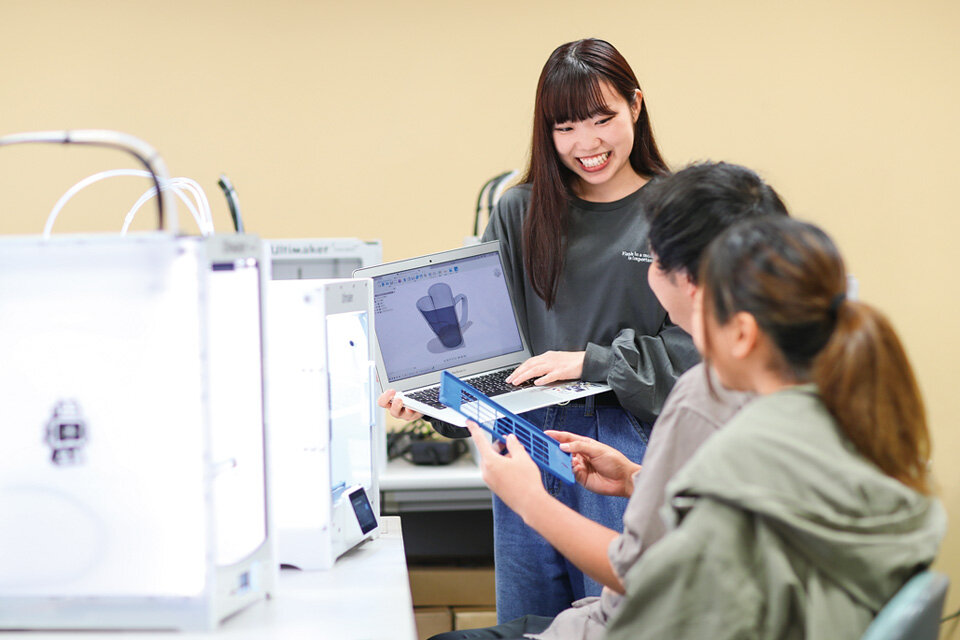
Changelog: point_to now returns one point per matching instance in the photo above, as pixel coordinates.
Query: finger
(397, 408)
(398, 411)
(585, 448)
(575, 447)
(386, 397)
(520, 374)
(520, 378)
(537, 371)
(547, 378)
(483, 445)
(516, 372)
(524, 371)
(515, 448)
(580, 470)
(563, 436)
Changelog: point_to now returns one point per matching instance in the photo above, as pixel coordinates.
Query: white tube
(86, 182)
(200, 196)
(201, 211)
(152, 192)
(105, 138)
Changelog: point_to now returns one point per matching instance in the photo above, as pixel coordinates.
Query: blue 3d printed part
(473, 405)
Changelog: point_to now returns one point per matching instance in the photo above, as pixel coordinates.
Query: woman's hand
(549, 367)
(395, 406)
(513, 476)
(597, 466)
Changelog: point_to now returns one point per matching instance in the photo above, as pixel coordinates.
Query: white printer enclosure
(322, 418)
(132, 469)
(323, 259)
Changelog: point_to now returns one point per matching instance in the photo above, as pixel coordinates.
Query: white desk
(408, 487)
(366, 596)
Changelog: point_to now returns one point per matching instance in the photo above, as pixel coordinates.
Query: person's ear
(687, 285)
(746, 334)
(637, 103)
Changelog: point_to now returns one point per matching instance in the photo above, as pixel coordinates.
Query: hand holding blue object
(472, 404)
(510, 473)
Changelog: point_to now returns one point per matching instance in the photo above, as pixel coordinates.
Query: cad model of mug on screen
(439, 309)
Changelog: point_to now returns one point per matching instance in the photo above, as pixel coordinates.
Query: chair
(913, 613)
(490, 192)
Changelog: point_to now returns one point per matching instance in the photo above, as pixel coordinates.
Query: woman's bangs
(574, 96)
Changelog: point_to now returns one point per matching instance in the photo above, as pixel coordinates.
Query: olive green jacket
(782, 531)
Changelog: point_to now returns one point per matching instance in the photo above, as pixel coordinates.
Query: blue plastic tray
(473, 405)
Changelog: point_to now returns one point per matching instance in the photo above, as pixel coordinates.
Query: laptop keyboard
(490, 384)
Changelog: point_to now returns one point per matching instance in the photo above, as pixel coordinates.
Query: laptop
(452, 311)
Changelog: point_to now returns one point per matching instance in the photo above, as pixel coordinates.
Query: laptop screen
(444, 315)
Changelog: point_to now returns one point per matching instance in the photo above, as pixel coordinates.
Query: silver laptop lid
(444, 311)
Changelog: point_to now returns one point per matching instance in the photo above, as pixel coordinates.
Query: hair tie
(835, 304)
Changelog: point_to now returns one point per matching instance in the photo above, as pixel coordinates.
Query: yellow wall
(380, 119)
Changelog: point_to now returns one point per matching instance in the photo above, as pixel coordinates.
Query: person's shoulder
(772, 424)
(793, 415)
(698, 392)
(690, 379)
(506, 219)
(690, 387)
(514, 200)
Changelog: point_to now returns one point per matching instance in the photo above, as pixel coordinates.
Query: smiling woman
(574, 241)
(588, 102)
(597, 149)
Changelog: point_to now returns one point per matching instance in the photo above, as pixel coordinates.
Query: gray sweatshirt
(604, 304)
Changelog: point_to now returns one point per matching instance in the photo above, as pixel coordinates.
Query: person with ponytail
(814, 505)
(574, 240)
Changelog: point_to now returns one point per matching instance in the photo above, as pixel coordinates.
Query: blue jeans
(513, 630)
(532, 578)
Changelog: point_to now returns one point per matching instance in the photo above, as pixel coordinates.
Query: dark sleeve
(642, 369)
(446, 429)
(506, 225)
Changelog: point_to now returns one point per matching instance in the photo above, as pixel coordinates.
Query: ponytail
(867, 384)
(789, 276)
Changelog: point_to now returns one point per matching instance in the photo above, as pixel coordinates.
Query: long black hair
(570, 89)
